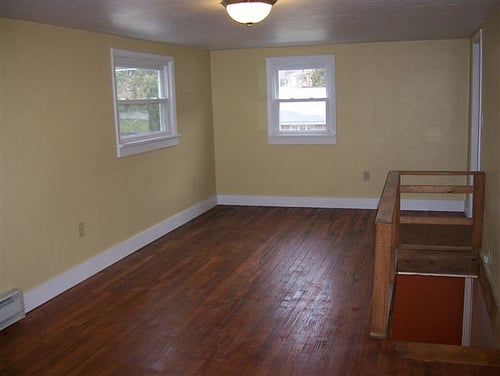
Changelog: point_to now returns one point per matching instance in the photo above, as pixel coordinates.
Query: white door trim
(467, 315)
(476, 113)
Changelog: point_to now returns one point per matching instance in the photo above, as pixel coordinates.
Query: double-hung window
(301, 99)
(144, 96)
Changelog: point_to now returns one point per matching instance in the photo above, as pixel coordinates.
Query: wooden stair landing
(427, 352)
(440, 260)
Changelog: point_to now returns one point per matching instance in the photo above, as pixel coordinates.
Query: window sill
(301, 139)
(141, 146)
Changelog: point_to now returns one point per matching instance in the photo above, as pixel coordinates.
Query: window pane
(302, 117)
(302, 83)
(139, 119)
(137, 83)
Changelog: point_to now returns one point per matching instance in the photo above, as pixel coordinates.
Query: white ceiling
(204, 23)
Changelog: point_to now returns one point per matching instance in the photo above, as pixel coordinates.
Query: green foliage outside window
(138, 84)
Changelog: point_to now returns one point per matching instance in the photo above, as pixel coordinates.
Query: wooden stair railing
(391, 257)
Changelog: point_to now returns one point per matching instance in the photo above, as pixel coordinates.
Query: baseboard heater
(11, 308)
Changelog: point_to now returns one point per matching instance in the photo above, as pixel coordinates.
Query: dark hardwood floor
(237, 291)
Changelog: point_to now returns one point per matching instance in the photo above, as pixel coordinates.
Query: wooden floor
(237, 291)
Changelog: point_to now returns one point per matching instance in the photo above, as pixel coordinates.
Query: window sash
(277, 120)
(275, 65)
(306, 123)
(142, 101)
(324, 99)
(163, 122)
(163, 93)
(298, 83)
(145, 133)
(161, 81)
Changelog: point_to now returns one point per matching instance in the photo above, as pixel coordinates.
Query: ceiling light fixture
(248, 12)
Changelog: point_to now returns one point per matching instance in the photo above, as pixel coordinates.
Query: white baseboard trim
(339, 203)
(64, 281)
(300, 202)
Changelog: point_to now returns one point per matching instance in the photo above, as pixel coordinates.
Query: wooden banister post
(381, 281)
(478, 210)
(386, 241)
(396, 221)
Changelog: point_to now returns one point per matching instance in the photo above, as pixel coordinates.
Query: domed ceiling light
(248, 12)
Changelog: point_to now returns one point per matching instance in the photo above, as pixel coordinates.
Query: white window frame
(273, 66)
(168, 135)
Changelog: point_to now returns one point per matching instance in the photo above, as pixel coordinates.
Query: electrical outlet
(366, 175)
(81, 229)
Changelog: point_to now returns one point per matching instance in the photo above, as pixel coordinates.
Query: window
(301, 99)
(144, 96)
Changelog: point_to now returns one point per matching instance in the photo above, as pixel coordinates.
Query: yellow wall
(59, 164)
(490, 153)
(401, 105)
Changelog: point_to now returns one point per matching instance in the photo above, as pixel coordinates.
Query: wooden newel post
(478, 210)
(381, 281)
(386, 241)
